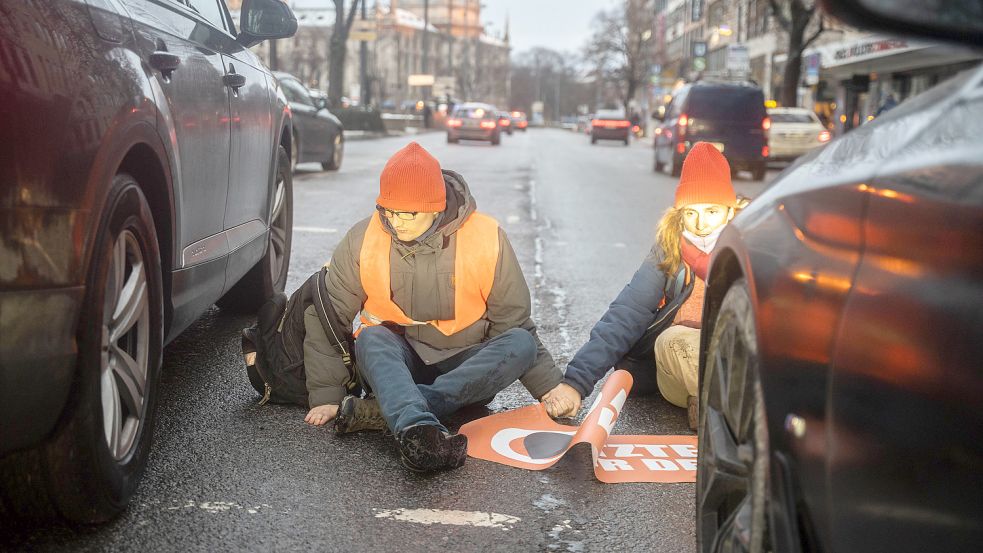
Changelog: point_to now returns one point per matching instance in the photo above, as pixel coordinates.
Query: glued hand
(321, 414)
(562, 401)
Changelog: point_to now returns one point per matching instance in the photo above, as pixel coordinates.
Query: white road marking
(620, 245)
(512, 219)
(316, 230)
(454, 518)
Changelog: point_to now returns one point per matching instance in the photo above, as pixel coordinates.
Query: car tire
(676, 167)
(759, 170)
(593, 139)
(626, 141)
(337, 154)
(269, 275)
(451, 140)
(658, 164)
(733, 458)
(496, 140)
(91, 466)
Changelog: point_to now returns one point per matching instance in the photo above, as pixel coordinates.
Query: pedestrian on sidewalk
(440, 311)
(660, 310)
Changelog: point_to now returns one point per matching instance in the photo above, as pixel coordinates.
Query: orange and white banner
(528, 438)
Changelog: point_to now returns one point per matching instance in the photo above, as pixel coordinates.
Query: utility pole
(426, 46)
(363, 55)
(450, 35)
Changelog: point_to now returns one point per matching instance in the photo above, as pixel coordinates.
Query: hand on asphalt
(321, 414)
(562, 401)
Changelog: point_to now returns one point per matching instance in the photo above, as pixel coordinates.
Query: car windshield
(610, 114)
(731, 103)
(793, 118)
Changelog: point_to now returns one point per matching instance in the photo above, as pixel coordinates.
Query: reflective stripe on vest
(475, 260)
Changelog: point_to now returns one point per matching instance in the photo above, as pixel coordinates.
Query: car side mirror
(265, 20)
(321, 103)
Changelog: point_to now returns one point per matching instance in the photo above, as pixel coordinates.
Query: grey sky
(558, 24)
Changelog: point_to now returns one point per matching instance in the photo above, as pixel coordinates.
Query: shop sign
(812, 63)
(865, 49)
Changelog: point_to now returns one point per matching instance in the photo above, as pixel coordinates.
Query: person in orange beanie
(433, 294)
(655, 320)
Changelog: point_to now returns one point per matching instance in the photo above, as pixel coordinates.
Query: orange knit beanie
(705, 178)
(412, 181)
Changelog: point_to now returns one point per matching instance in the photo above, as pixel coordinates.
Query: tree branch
(351, 16)
(819, 31)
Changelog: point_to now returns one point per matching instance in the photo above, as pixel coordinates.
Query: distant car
(318, 135)
(474, 121)
(610, 124)
(794, 132)
(160, 187)
(731, 116)
(505, 122)
(519, 120)
(841, 390)
(583, 123)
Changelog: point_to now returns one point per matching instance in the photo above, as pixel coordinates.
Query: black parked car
(318, 134)
(144, 175)
(731, 116)
(841, 385)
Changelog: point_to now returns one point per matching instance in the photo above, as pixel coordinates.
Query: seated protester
(441, 315)
(664, 300)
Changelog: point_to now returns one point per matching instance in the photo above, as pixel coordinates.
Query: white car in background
(794, 131)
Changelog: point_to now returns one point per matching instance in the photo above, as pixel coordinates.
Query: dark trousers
(411, 392)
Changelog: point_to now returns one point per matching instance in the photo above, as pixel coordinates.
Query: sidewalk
(371, 135)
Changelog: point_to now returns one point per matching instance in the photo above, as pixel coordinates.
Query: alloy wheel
(733, 457)
(125, 353)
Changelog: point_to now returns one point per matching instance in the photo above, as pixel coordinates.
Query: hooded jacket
(645, 307)
(422, 281)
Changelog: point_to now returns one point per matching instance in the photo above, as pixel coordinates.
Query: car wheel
(87, 472)
(496, 140)
(675, 167)
(658, 164)
(337, 154)
(269, 275)
(593, 139)
(626, 141)
(758, 173)
(732, 462)
(451, 140)
(294, 152)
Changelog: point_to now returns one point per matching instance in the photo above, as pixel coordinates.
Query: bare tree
(548, 76)
(620, 48)
(338, 49)
(795, 17)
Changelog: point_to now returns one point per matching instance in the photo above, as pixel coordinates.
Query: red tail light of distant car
(505, 122)
(454, 123)
(824, 136)
(609, 123)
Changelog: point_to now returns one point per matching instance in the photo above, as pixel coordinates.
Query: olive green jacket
(422, 285)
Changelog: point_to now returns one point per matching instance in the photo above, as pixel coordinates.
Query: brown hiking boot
(693, 412)
(357, 414)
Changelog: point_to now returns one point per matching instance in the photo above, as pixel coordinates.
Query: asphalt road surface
(225, 474)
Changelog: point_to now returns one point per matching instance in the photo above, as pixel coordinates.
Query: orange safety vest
(474, 273)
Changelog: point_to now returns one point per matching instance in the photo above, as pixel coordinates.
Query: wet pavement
(226, 474)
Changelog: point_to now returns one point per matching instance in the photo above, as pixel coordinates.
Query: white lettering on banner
(660, 464)
(606, 420)
(619, 400)
(501, 444)
(625, 450)
(684, 450)
(687, 464)
(655, 450)
(614, 464)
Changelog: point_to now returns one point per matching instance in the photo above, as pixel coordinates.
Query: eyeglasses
(403, 215)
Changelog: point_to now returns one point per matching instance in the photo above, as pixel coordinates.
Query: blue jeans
(411, 392)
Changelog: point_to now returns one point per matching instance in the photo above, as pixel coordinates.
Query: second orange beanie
(705, 178)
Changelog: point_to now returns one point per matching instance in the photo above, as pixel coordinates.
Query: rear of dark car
(473, 122)
(731, 116)
(609, 125)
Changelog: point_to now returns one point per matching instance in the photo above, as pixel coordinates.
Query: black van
(732, 116)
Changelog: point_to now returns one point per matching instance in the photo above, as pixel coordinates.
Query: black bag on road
(273, 348)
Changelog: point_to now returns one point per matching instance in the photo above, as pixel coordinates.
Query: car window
(296, 92)
(726, 104)
(610, 114)
(473, 112)
(676, 107)
(209, 10)
(793, 118)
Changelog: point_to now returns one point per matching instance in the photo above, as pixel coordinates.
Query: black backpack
(273, 348)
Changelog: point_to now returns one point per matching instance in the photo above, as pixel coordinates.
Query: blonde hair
(667, 236)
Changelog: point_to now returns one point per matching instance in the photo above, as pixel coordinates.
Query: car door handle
(165, 62)
(234, 81)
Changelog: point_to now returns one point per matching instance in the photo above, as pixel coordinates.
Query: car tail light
(522, 124)
(765, 151)
(610, 123)
(683, 123)
(658, 130)
(824, 136)
(766, 124)
(488, 124)
(454, 123)
(516, 114)
(505, 122)
(681, 147)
